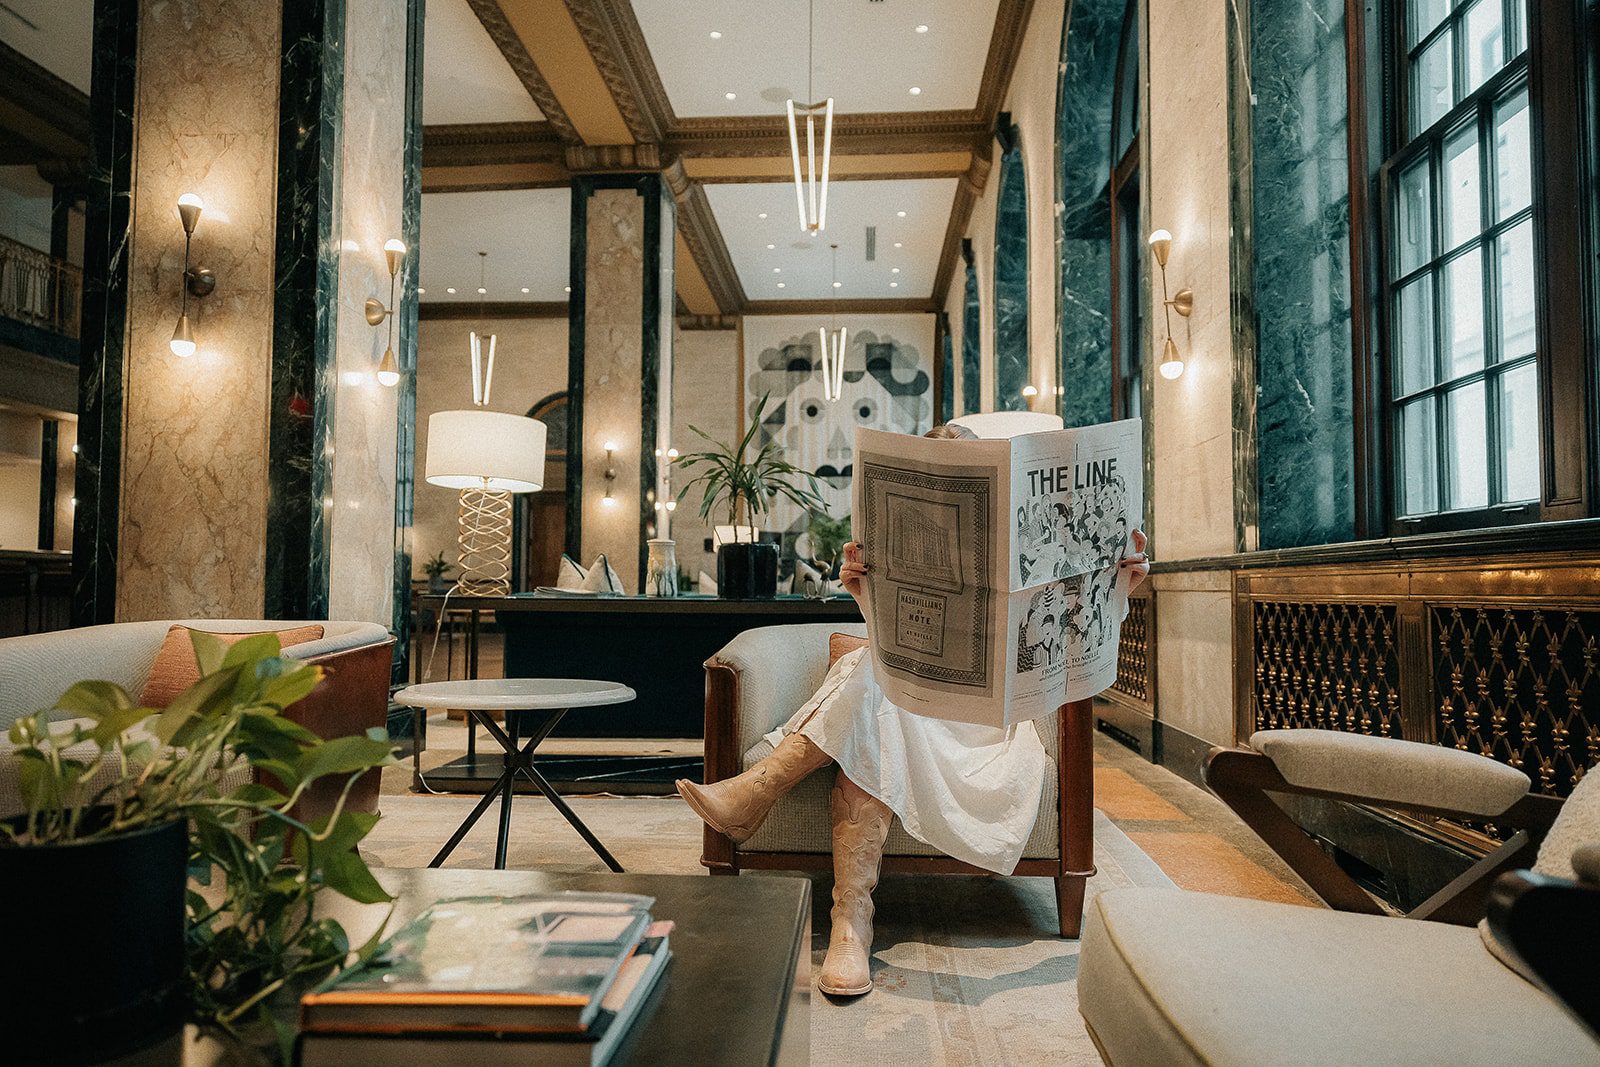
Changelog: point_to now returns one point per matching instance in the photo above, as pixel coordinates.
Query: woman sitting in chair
(970, 791)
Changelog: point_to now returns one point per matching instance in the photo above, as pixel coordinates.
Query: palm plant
(747, 483)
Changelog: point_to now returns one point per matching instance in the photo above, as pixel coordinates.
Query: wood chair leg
(1069, 903)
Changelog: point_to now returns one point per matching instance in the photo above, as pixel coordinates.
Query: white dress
(972, 792)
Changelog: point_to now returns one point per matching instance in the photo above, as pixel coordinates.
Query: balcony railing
(38, 289)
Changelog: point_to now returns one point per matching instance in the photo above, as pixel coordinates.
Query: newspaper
(993, 593)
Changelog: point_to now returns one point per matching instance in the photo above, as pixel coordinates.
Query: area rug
(967, 970)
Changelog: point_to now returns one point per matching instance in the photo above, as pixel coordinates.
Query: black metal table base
(519, 760)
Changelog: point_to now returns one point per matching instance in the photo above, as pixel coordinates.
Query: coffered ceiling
(645, 83)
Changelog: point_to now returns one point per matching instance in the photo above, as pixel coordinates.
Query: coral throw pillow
(841, 645)
(176, 669)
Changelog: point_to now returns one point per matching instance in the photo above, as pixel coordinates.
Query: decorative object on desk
(825, 539)
(437, 571)
(747, 484)
(807, 580)
(140, 798)
(487, 455)
(598, 577)
(661, 574)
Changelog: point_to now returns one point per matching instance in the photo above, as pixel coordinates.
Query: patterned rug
(968, 970)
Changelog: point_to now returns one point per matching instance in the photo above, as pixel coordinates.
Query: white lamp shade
(996, 425)
(467, 449)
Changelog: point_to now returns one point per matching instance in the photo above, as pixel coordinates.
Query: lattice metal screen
(1133, 652)
(1521, 685)
(1328, 666)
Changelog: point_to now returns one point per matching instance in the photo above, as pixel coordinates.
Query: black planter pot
(747, 571)
(94, 944)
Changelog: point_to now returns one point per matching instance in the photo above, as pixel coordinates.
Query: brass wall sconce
(611, 474)
(1182, 302)
(197, 281)
(394, 253)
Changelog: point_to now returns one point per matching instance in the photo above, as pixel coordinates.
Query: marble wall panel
(1033, 109)
(705, 395)
(1194, 661)
(971, 339)
(1011, 295)
(192, 510)
(362, 489)
(613, 336)
(1299, 130)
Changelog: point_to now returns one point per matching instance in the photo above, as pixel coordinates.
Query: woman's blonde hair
(949, 431)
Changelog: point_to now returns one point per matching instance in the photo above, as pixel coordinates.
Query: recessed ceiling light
(897, 244)
(777, 270)
(771, 247)
(566, 288)
(762, 215)
(916, 90)
(901, 214)
(780, 285)
(451, 290)
(837, 284)
(420, 291)
(482, 290)
(524, 288)
(716, 35)
(894, 270)
(920, 29)
(894, 285)
(730, 96)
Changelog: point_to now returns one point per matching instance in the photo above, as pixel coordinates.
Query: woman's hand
(853, 571)
(1137, 566)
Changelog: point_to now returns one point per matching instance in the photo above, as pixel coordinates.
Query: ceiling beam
(1010, 26)
(910, 305)
(612, 34)
(968, 190)
(697, 225)
(43, 116)
(505, 38)
(546, 35)
(492, 309)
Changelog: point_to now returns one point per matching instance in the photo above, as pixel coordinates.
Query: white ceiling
(804, 262)
(56, 34)
(868, 54)
(464, 76)
(523, 230)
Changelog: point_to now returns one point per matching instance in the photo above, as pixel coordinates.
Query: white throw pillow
(571, 575)
(601, 578)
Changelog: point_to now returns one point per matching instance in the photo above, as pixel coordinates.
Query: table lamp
(487, 455)
(1003, 424)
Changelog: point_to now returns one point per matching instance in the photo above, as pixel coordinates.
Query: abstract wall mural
(888, 385)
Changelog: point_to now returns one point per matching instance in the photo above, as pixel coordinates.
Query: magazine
(994, 594)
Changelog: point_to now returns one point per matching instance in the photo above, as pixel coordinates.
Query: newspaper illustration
(994, 594)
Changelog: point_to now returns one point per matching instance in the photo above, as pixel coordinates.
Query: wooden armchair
(1386, 772)
(760, 678)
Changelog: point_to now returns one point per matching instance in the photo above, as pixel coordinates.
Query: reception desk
(656, 645)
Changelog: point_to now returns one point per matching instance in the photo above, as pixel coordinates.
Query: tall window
(1459, 277)
(1128, 346)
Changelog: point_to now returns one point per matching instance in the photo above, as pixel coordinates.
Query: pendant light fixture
(833, 344)
(482, 353)
(810, 195)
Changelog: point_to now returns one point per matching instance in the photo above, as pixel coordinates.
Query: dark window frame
(1124, 186)
(1559, 67)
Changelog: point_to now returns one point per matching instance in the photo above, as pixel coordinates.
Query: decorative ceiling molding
(708, 322)
(862, 306)
(516, 53)
(1010, 26)
(875, 132)
(491, 143)
(613, 158)
(42, 117)
(968, 190)
(612, 34)
(493, 309)
(697, 224)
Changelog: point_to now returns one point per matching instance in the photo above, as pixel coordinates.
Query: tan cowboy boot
(860, 825)
(738, 806)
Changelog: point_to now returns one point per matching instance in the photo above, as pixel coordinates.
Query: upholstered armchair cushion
(778, 668)
(1172, 977)
(1388, 770)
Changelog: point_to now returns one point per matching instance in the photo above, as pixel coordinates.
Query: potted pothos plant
(743, 483)
(160, 869)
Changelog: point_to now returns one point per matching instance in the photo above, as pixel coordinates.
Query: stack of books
(550, 978)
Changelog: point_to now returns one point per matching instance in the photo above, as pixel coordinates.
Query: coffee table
(532, 707)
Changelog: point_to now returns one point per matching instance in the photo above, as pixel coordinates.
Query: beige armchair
(354, 697)
(760, 678)
(1169, 977)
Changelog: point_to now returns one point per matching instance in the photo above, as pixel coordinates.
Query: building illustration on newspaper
(994, 594)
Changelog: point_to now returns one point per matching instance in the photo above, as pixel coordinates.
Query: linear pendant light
(482, 354)
(810, 195)
(833, 346)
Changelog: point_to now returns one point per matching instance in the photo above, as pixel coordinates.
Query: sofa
(761, 677)
(353, 697)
